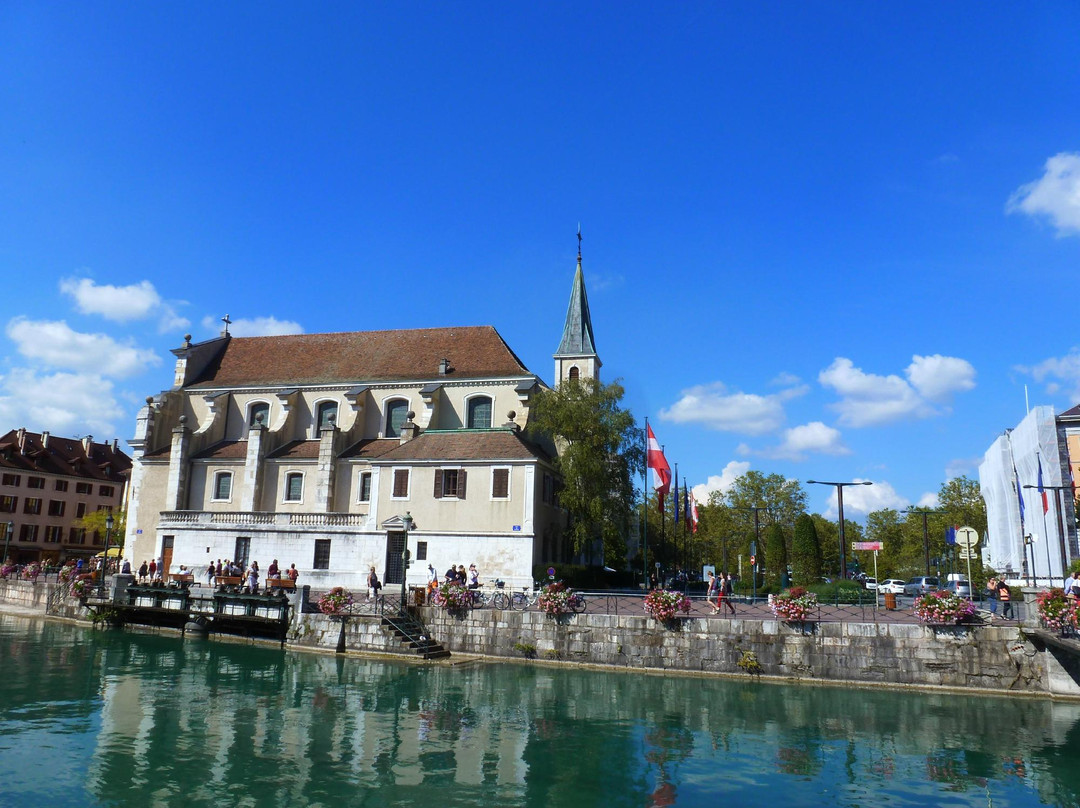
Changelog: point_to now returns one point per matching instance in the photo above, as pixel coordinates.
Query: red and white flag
(654, 459)
(693, 513)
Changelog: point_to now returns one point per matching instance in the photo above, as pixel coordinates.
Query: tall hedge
(805, 552)
(776, 556)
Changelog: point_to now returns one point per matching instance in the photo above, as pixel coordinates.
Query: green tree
(805, 552)
(776, 552)
(768, 498)
(600, 452)
(94, 522)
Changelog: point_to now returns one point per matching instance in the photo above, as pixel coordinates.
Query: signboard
(517, 528)
(967, 538)
(753, 560)
(866, 545)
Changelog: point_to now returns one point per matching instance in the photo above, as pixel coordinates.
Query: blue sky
(829, 240)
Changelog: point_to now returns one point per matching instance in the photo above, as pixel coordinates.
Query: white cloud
(863, 499)
(714, 407)
(1066, 370)
(66, 403)
(785, 379)
(121, 304)
(720, 483)
(929, 501)
(254, 326)
(57, 345)
(814, 437)
(1056, 194)
(937, 377)
(960, 466)
(868, 399)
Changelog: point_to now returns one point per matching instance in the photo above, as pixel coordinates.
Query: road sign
(753, 560)
(866, 545)
(967, 538)
(967, 555)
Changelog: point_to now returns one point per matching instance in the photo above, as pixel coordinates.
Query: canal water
(95, 717)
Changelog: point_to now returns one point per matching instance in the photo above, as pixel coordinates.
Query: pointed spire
(577, 336)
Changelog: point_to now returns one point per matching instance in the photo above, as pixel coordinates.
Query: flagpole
(663, 521)
(1046, 536)
(645, 513)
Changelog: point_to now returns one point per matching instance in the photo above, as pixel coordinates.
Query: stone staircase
(414, 636)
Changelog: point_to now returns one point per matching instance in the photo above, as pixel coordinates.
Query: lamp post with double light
(7, 539)
(840, 509)
(406, 526)
(108, 536)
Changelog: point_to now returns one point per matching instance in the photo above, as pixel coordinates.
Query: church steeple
(576, 356)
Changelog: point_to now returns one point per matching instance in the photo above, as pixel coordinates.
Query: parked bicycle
(497, 599)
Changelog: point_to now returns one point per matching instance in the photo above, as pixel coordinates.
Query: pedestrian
(1072, 586)
(153, 568)
(432, 580)
(253, 577)
(462, 578)
(273, 571)
(474, 577)
(292, 573)
(143, 572)
(1005, 596)
(126, 569)
(451, 575)
(374, 584)
(992, 596)
(217, 569)
(713, 592)
(727, 592)
(159, 572)
(211, 571)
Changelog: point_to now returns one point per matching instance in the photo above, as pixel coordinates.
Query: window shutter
(461, 484)
(401, 483)
(500, 483)
(438, 483)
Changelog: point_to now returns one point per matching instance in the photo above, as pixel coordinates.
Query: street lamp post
(406, 526)
(108, 536)
(757, 537)
(7, 539)
(840, 509)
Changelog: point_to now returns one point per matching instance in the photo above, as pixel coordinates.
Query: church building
(331, 451)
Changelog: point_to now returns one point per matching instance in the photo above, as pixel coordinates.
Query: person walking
(253, 578)
(713, 592)
(992, 596)
(727, 592)
(292, 573)
(1005, 596)
(143, 571)
(374, 584)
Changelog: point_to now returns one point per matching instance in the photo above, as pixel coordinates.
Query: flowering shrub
(67, 572)
(453, 597)
(795, 606)
(943, 607)
(335, 600)
(1055, 610)
(7, 570)
(557, 598)
(662, 604)
(31, 572)
(79, 588)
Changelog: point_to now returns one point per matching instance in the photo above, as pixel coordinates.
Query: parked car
(870, 583)
(922, 585)
(959, 588)
(891, 586)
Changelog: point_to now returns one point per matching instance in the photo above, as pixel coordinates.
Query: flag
(1020, 498)
(950, 535)
(1046, 503)
(686, 504)
(676, 494)
(654, 459)
(693, 512)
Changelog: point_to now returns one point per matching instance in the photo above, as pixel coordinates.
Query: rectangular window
(53, 533)
(61, 485)
(222, 485)
(294, 487)
(32, 506)
(28, 533)
(421, 551)
(80, 510)
(449, 483)
(401, 484)
(322, 554)
(365, 487)
(84, 488)
(76, 535)
(500, 483)
(549, 490)
(56, 507)
(8, 504)
(242, 550)
(11, 479)
(105, 490)
(35, 482)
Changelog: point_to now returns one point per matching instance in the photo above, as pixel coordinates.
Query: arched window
(294, 487)
(396, 411)
(259, 408)
(479, 413)
(327, 414)
(222, 485)
(574, 373)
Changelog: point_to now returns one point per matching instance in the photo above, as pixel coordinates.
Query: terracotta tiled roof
(371, 448)
(225, 450)
(63, 456)
(361, 356)
(297, 448)
(466, 444)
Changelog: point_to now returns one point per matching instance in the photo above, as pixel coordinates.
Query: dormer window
(479, 413)
(259, 413)
(222, 486)
(327, 415)
(396, 411)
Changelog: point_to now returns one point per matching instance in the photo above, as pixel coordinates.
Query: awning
(114, 552)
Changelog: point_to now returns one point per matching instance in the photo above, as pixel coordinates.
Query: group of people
(999, 591)
(154, 571)
(720, 592)
(1072, 586)
(458, 575)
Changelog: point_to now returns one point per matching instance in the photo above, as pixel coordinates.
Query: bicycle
(497, 599)
(523, 600)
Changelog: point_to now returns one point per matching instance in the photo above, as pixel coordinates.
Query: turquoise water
(110, 718)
